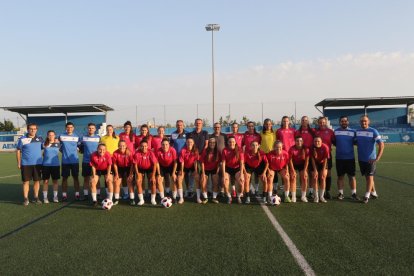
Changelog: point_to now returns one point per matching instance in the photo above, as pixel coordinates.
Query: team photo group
(201, 166)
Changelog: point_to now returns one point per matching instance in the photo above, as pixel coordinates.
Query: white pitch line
(8, 176)
(304, 265)
(399, 163)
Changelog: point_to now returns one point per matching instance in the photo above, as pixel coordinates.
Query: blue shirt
(69, 148)
(31, 150)
(51, 155)
(178, 141)
(344, 142)
(366, 139)
(88, 145)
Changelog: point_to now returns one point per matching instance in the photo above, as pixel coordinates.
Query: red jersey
(188, 157)
(327, 135)
(252, 160)
(156, 143)
(251, 137)
(100, 163)
(210, 163)
(229, 156)
(167, 158)
(322, 153)
(145, 161)
(297, 155)
(138, 139)
(277, 162)
(130, 143)
(239, 138)
(286, 136)
(307, 135)
(122, 159)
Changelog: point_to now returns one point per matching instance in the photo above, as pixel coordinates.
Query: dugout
(54, 117)
(384, 112)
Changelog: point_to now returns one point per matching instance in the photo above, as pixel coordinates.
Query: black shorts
(86, 169)
(187, 170)
(50, 171)
(329, 163)
(210, 172)
(318, 167)
(166, 170)
(259, 170)
(31, 172)
(367, 169)
(232, 171)
(147, 171)
(102, 172)
(123, 172)
(299, 167)
(67, 169)
(345, 166)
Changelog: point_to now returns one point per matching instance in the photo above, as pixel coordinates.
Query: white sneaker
(141, 202)
(46, 200)
(153, 202)
(55, 199)
(294, 199)
(322, 199)
(304, 199)
(316, 199)
(181, 201)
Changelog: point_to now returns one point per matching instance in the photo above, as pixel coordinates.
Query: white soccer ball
(275, 200)
(166, 202)
(107, 204)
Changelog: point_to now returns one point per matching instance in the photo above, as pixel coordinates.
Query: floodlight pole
(212, 28)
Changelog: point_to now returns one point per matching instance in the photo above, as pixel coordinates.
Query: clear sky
(154, 53)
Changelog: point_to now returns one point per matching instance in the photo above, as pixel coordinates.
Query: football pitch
(337, 238)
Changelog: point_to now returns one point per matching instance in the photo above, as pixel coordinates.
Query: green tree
(7, 125)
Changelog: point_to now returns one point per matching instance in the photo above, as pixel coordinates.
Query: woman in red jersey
(128, 136)
(255, 161)
(319, 168)
(249, 136)
(238, 136)
(328, 138)
(232, 166)
(122, 160)
(306, 132)
(299, 161)
(278, 164)
(286, 133)
(145, 164)
(101, 163)
(188, 168)
(209, 161)
(157, 139)
(167, 166)
(144, 133)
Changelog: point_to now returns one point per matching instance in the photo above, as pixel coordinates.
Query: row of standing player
(233, 164)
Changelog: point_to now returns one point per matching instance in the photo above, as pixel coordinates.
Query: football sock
(256, 187)
(293, 194)
(153, 197)
(55, 193)
(341, 191)
(353, 191)
(174, 194)
(116, 195)
(215, 194)
(76, 194)
(180, 192)
(321, 193)
(125, 190)
(85, 192)
(161, 194)
(269, 194)
(132, 195)
(205, 195)
(228, 195)
(287, 194)
(367, 194)
(141, 197)
(110, 195)
(93, 196)
(198, 191)
(44, 194)
(374, 193)
(310, 190)
(64, 194)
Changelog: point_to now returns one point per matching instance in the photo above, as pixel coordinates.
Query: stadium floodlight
(212, 28)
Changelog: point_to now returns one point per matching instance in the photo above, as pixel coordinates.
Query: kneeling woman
(209, 160)
(232, 166)
(167, 166)
(145, 164)
(101, 163)
(319, 168)
(188, 168)
(255, 161)
(123, 170)
(278, 164)
(299, 161)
